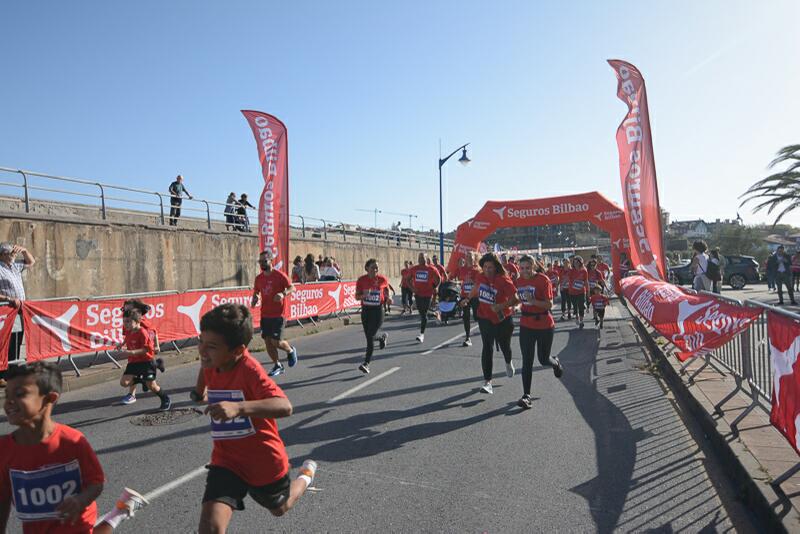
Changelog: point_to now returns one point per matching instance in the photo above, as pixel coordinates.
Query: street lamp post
(464, 160)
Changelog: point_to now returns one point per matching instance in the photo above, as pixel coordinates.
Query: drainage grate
(175, 416)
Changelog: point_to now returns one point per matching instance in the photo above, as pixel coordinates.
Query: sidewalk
(755, 452)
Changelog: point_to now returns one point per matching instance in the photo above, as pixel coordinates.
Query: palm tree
(778, 190)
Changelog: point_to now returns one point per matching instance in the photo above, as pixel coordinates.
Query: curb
(742, 467)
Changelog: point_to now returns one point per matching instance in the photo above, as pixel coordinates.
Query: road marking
(443, 343)
(363, 385)
(175, 483)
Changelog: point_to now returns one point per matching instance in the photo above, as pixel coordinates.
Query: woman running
(424, 279)
(496, 296)
(536, 328)
(566, 301)
(405, 289)
(596, 278)
(467, 274)
(371, 291)
(578, 281)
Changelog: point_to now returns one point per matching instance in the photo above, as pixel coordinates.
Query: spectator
(329, 273)
(796, 270)
(310, 270)
(176, 191)
(335, 265)
(320, 261)
(297, 270)
(230, 212)
(699, 267)
(241, 212)
(780, 266)
(715, 273)
(770, 275)
(13, 291)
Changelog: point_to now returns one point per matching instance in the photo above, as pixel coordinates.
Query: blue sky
(133, 93)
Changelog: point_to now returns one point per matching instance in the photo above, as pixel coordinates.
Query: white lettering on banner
(306, 294)
(720, 323)
(480, 225)
(218, 300)
(644, 304)
(302, 309)
(570, 208)
(269, 145)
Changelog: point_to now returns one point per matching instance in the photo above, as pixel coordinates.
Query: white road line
(175, 483)
(363, 385)
(443, 343)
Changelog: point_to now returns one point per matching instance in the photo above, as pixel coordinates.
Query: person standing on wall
(176, 192)
(13, 291)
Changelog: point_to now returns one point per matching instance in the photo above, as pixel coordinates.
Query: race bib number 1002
(38, 493)
(235, 428)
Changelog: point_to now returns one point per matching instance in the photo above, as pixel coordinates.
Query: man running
(424, 279)
(467, 274)
(272, 286)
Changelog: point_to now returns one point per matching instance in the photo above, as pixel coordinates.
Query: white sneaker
(487, 388)
(420, 338)
(309, 469)
(467, 343)
(510, 369)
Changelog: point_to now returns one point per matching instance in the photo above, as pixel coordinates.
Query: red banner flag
(784, 347)
(8, 315)
(273, 207)
(696, 324)
(637, 170)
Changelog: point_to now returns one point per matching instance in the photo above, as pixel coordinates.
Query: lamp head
(464, 160)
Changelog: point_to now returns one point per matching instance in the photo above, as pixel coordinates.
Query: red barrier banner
(637, 170)
(784, 347)
(56, 328)
(8, 314)
(696, 324)
(273, 206)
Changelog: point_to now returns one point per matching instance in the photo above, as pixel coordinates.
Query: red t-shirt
(441, 270)
(403, 276)
(39, 477)
(424, 279)
(538, 287)
(140, 339)
(373, 290)
(596, 278)
(467, 275)
(552, 275)
(578, 280)
(563, 278)
(270, 285)
(512, 269)
(248, 446)
(599, 302)
(603, 268)
(490, 292)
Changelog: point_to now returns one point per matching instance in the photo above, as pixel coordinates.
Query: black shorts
(272, 327)
(225, 486)
(141, 371)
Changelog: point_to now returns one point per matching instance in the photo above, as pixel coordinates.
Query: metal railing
(116, 203)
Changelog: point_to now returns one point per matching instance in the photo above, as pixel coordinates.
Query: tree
(779, 190)
(740, 240)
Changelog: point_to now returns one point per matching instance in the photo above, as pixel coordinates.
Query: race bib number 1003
(38, 493)
(234, 428)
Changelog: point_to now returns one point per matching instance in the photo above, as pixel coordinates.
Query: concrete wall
(91, 259)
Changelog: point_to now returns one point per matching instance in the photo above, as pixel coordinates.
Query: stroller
(449, 293)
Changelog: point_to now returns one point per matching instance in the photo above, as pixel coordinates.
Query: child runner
(272, 287)
(406, 293)
(496, 295)
(145, 323)
(468, 274)
(599, 303)
(141, 367)
(387, 300)
(578, 280)
(371, 291)
(536, 328)
(424, 279)
(566, 301)
(249, 456)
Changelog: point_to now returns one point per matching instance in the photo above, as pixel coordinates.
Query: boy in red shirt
(424, 279)
(141, 367)
(599, 303)
(272, 287)
(249, 456)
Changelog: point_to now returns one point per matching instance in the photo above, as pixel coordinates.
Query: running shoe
(467, 343)
(166, 404)
(601, 325)
(596, 321)
(580, 325)
(364, 368)
(309, 469)
(132, 501)
(487, 388)
(558, 369)
(293, 357)
(510, 369)
(525, 402)
(130, 398)
(420, 338)
(160, 365)
(563, 317)
(277, 369)
(382, 340)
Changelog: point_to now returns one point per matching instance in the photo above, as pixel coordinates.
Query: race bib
(592, 284)
(372, 298)
(526, 294)
(38, 493)
(487, 294)
(577, 284)
(600, 305)
(235, 428)
(554, 280)
(421, 276)
(467, 287)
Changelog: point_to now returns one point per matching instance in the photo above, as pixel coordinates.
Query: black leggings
(566, 302)
(423, 303)
(599, 314)
(490, 332)
(579, 304)
(371, 320)
(471, 307)
(529, 339)
(406, 296)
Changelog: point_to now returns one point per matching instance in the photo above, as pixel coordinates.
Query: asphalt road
(420, 450)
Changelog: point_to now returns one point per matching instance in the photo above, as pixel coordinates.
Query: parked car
(737, 272)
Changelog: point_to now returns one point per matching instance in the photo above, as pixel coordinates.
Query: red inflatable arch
(592, 207)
